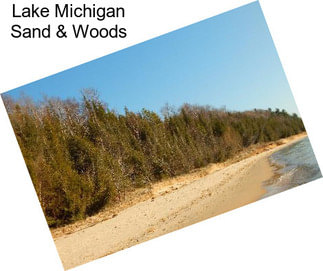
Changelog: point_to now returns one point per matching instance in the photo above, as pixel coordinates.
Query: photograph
(161, 135)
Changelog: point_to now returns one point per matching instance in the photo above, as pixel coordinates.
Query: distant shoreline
(171, 205)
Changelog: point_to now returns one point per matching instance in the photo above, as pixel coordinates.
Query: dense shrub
(82, 156)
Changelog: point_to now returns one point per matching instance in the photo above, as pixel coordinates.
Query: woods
(83, 156)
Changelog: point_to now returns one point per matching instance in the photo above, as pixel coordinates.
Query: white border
(283, 232)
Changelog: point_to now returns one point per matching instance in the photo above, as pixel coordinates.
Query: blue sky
(227, 60)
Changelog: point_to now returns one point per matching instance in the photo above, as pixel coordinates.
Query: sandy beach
(172, 205)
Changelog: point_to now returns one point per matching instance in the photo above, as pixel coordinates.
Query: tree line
(82, 156)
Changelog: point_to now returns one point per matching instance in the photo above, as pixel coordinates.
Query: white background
(283, 232)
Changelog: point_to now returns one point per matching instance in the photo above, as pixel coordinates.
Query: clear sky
(227, 60)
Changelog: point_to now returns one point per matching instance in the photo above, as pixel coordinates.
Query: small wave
(297, 165)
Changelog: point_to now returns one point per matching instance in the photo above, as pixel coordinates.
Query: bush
(82, 156)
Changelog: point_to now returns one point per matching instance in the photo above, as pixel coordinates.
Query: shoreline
(168, 185)
(173, 204)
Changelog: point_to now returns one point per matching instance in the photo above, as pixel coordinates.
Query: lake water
(298, 166)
